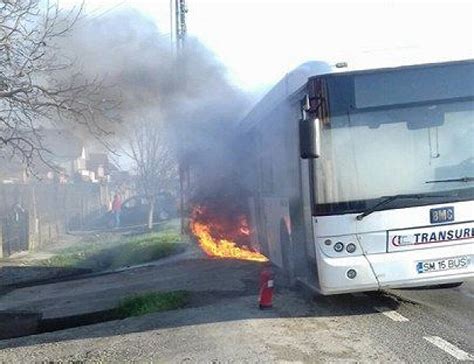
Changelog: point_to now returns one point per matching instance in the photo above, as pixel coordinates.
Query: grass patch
(66, 260)
(144, 249)
(126, 251)
(152, 302)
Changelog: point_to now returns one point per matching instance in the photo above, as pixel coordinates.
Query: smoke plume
(190, 93)
(189, 96)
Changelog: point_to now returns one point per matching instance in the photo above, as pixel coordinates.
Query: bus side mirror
(310, 135)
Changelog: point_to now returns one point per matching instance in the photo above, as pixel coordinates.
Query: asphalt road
(422, 325)
(416, 325)
(447, 314)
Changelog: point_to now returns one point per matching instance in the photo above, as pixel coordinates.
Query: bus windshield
(369, 155)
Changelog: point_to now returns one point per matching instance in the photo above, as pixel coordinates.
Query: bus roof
(382, 68)
(297, 79)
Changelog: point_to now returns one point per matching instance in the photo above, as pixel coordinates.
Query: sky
(261, 40)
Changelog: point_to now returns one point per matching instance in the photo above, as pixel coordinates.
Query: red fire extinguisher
(266, 288)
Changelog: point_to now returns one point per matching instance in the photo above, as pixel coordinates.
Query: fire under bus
(363, 180)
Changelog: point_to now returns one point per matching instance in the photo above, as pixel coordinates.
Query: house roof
(61, 145)
(96, 160)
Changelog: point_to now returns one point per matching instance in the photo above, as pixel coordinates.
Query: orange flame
(222, 247)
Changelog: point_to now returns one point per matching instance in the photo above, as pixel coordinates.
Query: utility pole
(180, 30)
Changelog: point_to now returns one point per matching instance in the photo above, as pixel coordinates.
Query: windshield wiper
(386, 200)
(460, 179)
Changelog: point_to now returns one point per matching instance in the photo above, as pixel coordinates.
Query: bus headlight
(328, 242)
(351, 248)
(339, 247)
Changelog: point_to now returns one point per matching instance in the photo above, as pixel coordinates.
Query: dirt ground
(28, 268)
(100, 292)
(225, 325)
(233, 330)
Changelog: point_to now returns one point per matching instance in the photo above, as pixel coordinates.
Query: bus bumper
(391, 270)
(401, 269)
(333, 278)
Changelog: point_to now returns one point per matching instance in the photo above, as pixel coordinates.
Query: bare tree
(38, 86)
(154, 160)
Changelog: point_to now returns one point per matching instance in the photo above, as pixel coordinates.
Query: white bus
(363, 180)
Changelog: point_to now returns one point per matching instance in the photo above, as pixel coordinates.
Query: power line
(115, 7)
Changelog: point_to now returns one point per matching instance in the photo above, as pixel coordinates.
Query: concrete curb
(19, 323)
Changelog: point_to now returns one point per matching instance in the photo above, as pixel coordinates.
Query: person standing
(117, 208)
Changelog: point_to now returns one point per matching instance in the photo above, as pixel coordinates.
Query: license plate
(439, 265)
